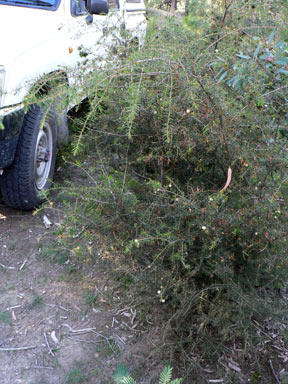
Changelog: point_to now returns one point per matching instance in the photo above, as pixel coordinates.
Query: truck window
(50, 5)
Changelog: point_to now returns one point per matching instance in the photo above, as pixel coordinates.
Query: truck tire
(24, 183)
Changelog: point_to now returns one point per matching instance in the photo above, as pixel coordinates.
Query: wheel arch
(51, 90)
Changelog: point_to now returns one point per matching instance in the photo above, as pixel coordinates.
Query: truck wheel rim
(43, 156)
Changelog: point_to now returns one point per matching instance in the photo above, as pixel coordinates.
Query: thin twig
(65, 309)
(85, 330)
(131, 328)
(23, 264)
(134, 313)
(123, 310)
(275, 90)
(119, 338)
(79, 233)
(260, 328)
(15, 306)
(223, 22)
(100, 335)
(273, 371)
(48, 346)
(84, 340)
(18, 348)
(4, 266)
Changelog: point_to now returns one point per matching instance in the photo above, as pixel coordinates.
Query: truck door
(135, 19)
(92, 37)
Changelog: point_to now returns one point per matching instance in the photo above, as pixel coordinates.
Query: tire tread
(16, 186)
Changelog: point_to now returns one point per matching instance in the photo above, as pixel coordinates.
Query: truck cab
(40, 38)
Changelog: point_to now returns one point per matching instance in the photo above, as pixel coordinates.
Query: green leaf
(165, 375)
(122, 376)
(128, 380)
(176, 381)
(120, 373)
(264, 57)
(220, 58)
(222, 77)
(243, 56)
(281, 44)
(282, 70)
(281, 50)
(234, 81)
(282, 61)
(271, 37)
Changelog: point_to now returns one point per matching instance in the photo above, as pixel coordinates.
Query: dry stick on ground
(273, 371)
(84, 340)
(15, 306)
(23, 264)
(81, 331)
(48, 346)
(84, 331)
(18, 348)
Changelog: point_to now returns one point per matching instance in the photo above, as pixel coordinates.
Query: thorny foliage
(166, 127)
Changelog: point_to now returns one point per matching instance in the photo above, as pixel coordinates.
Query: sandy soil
(52, 328)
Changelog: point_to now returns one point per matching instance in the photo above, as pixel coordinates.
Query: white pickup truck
(40, 38)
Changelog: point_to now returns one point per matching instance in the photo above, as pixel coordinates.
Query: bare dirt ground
(56, 327)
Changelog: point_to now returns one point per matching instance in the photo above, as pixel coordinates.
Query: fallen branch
(274, 373)
(23, 264)
(84, 340)
(15, 306)
(48, 346)
(18, 348)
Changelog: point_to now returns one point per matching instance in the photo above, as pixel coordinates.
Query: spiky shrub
(192, 146)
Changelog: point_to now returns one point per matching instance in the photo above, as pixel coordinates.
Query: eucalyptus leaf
(245, 57)
(222, 77)
(271, 37)
(257, 51)
(283, 70)
(282, 61)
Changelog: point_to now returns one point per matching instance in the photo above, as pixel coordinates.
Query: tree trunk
(187, 4)
(173, 6)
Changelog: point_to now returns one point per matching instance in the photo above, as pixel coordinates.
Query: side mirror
(97, 7)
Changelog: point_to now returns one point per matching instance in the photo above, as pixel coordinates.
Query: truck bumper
(11, 119)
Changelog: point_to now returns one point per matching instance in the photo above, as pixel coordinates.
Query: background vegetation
(184, 144)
